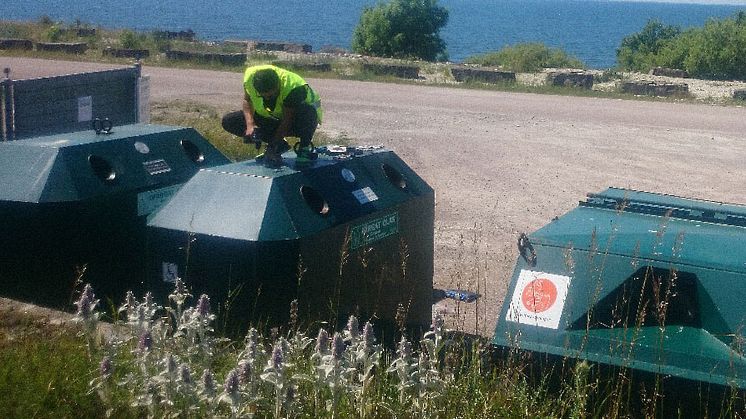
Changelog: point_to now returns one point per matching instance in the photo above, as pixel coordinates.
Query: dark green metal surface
(640, 280)
(81, 199)
(361, 240)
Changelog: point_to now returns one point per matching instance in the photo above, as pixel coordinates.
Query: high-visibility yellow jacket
(288, 82)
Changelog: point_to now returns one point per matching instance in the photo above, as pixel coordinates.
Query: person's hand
(249, 132)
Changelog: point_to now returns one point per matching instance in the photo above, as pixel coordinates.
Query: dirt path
(501, 163)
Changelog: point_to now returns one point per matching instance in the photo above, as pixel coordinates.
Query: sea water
(591, 30)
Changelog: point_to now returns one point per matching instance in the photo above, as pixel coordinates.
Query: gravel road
(500, 163)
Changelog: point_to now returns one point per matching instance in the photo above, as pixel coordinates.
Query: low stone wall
(66, 47)
(484, 75)
(295, 65)
(401, 71)
(126, 53)
(577, 79)
(187, 35)
(655, 89)
(24, 44)
(739, 94)
(669, 72)
(277, 46)
(226, 59)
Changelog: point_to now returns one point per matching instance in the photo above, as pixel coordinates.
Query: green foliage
(131, 40)
(46, 376)
(715, 51)
(402, 29)
(527, 57)
(639, 52)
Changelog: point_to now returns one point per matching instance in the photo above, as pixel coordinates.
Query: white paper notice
(85, 108)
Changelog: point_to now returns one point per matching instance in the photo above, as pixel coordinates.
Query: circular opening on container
(314, 200)
(102, 168)
(394, 176)
(192, 151)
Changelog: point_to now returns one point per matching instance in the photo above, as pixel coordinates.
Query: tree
(638, 51)
(402, 29)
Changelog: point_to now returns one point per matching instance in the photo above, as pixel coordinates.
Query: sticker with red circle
(538, 299)
(539, 295)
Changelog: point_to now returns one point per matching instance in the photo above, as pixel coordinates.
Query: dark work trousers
(303, 125)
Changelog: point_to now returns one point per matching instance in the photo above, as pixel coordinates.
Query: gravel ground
(503, 163)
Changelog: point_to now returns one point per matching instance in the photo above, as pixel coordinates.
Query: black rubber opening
(394, 176)
(314, 200)
(192, 151)
(102, 168)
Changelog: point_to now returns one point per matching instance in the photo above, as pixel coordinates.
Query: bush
(527, 57)
(639, 52)
(402, 29)
(715, 51)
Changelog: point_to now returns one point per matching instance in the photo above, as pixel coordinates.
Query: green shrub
(639, 52)
(527, 57)
(131, 40)
(715, 51)
(402, 29)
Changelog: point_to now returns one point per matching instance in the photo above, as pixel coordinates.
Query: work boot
(305, 155)
(273, 153)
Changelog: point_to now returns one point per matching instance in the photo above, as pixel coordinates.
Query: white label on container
(150, 201)
(170, 272)
(85, 108)
(538, 299)
(365, 195)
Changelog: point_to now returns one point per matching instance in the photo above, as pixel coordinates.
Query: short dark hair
(265, 80)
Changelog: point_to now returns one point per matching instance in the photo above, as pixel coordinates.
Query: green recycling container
(633, 279)
(350, 234)
(74, 206)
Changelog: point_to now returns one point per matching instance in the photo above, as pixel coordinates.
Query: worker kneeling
(277, 104)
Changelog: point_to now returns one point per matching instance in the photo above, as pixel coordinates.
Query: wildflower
(338, 347)
(203, 306)
(208, 383)
(294, 314)
(368, 338)
(277, 357)
(105, 368)
(231, 382)
(322, 342)
(145, 343)
(352, 332)
(86, 304)
(185, 374)
(245, 373)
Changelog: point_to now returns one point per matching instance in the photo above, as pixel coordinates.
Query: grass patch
(45, 374)
(207, 121)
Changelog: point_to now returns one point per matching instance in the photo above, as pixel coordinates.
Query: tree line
(410, 29)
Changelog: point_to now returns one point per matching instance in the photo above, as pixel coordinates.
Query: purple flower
(368, 336)
(277, 357)
(86, 303)
(146, 341)
(203, 306)
(231, 382)
(185, 374)
(105, 368)
(338, 346)
(405, 348)
(208, 381)
(322, 341)
(353, 327)
(244, 372)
